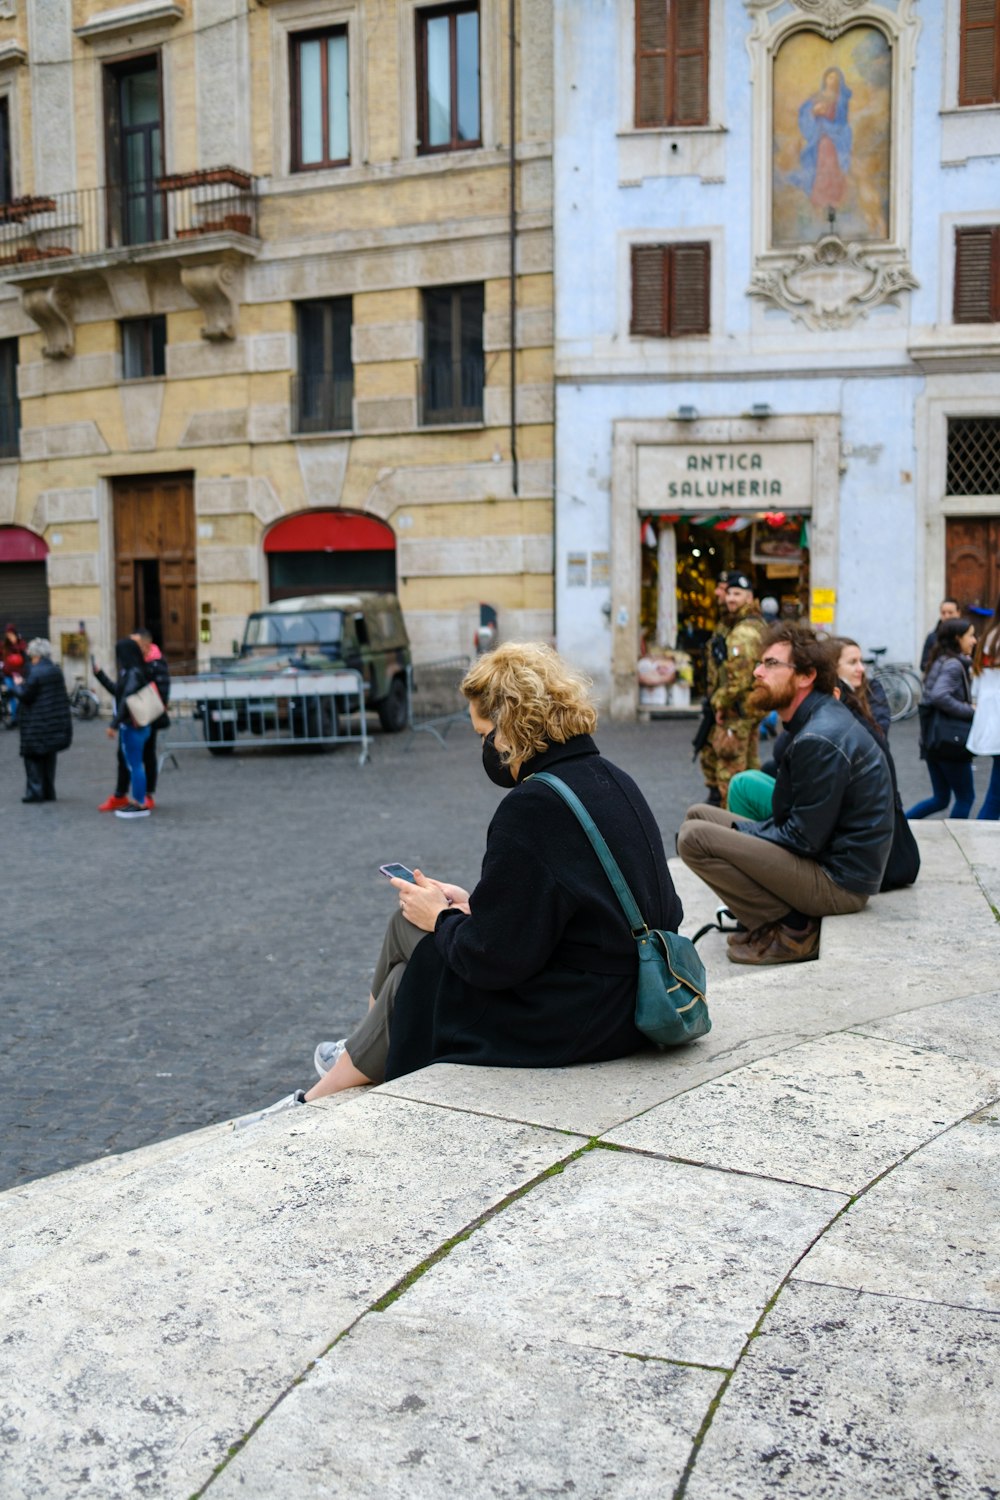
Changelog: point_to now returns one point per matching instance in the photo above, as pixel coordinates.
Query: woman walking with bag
(947, 699)
(133, 676)
(984, 736)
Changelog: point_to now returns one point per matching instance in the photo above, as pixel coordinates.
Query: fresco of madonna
(831, 134)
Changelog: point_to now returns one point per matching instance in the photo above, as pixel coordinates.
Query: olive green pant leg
(368, 1043)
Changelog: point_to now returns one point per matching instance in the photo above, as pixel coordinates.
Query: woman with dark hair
(537, 966)
(984, 736)
(866, 698)
(133, 675)
(947, 686)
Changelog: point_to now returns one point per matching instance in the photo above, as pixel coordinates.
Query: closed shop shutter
(24, 597)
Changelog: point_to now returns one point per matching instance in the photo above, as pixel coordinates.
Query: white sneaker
(326, 1055)
(288, 1102)
(133, 810)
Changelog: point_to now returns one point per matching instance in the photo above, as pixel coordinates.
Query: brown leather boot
(748, 935)
(779, 945)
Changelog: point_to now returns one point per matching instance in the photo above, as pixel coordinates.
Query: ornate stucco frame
(831, 283)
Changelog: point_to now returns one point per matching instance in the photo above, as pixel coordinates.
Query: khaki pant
(368, 1043)
(742, 739)
(759, 881)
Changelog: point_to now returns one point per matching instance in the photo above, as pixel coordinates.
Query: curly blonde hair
(531, 696)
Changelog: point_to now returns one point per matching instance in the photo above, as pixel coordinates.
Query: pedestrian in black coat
(45, 720)
(537, 967)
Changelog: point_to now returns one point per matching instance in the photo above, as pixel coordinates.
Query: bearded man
(824, 849)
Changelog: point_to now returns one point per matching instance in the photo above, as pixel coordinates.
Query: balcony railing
(322, 403)
(453, 390)
(181, 207)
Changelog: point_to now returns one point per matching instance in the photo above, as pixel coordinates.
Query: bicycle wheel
(86, 704)
(898, 692)
(916, 685)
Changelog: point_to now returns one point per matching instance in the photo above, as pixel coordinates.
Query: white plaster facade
(866, 369)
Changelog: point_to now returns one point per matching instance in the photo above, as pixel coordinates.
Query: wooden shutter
(670, 290)
(689, 290)
(977, 272)
(690, 39)
(671, 62)
(650, 297)
(651, 62)
(979, 69)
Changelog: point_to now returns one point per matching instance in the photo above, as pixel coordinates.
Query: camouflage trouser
(739, 738)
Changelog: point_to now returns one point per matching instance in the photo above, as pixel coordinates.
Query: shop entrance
(155, 581)
(24, 588)
(329, 552)
(682, 557)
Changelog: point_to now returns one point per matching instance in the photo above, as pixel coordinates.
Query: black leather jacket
(132, 680)
(832, 796)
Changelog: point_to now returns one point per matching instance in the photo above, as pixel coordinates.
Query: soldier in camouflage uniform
(733, 653)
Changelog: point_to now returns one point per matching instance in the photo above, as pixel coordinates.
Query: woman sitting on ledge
(536, 968)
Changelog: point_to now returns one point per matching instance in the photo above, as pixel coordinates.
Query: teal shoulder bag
(670, 1006)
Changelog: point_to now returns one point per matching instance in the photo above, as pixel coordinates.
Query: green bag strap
(590, 828)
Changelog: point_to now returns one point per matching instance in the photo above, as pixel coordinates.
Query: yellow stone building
(255, 314)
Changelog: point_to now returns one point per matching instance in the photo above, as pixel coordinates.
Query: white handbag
(145, 706)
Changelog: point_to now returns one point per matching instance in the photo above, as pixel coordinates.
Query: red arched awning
(330, 531)
(20, 545)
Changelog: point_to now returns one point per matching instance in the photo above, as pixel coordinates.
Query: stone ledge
(518, 1234)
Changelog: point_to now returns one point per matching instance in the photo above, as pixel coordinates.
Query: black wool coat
(543, 971)
(45, 720)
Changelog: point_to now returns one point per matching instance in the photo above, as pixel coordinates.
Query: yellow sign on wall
(824, 596)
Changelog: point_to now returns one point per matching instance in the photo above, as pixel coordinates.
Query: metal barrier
(223, 714)
(436, 701)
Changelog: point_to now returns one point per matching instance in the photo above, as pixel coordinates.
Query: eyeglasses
(772, 663)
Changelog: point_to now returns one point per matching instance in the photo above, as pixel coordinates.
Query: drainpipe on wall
(512, 173)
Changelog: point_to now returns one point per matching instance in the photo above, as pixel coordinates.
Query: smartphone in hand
(397, 872)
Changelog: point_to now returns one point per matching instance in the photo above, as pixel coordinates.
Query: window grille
(974, 456)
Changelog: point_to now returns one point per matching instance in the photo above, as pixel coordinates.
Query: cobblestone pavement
(164, 974)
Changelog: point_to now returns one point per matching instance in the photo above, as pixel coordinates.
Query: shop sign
(743, 475)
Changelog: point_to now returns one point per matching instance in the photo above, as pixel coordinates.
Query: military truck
(317, 632)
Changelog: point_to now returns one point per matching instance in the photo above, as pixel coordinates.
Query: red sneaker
(112, 804)
(149, 803)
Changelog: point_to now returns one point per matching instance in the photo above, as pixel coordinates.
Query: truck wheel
(392, 709)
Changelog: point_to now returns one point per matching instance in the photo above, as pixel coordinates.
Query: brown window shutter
(651, 62)
(649, 293)
(690, 28)
(690, 284)
(979, 69)
(975, 250)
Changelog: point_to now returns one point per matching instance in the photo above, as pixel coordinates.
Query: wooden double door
(972, 560)
(155, 562)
